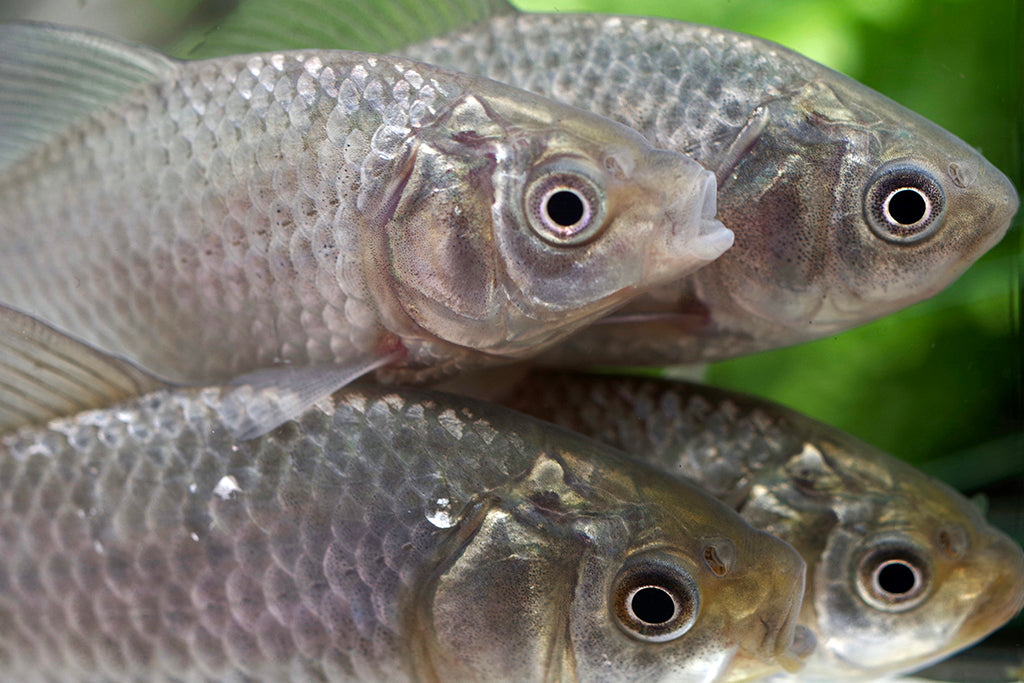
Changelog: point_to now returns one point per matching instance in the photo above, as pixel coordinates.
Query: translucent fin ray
(268, 398)
(46, 374)
(52, 78)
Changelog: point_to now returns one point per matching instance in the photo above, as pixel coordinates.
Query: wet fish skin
(320, 207)
(387, 535)
(803, 156)
(848, 508)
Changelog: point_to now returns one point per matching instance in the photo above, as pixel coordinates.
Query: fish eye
(893, 578)
(654, 599)
(904, 203)
(564, 206)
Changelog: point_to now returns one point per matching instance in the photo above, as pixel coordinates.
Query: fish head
(902, 569)
(591, 570)
(520, 220)
(848, 206)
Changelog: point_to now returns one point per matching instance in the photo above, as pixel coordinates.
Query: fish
(902, 570)
(846, 206)
(334, 212)
(387, 534)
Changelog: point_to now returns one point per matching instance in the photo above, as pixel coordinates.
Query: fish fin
(45, 373)
(268, 398)
(367, 25)
(52, 78)
(744, 140)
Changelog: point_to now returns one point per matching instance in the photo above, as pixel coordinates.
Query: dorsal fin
(52, 78)
(46, 374)
(367, 25)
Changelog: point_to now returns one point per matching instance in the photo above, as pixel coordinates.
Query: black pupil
(565, 208)
(896, 578)
(907, 206)
(653, 605)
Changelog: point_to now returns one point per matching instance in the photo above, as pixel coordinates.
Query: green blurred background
(939, 384)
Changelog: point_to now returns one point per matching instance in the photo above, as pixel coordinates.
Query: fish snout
(694, 236)
(1006, 204)
(1006, 594)
(1003, 561)
(793, 642)
(781, 640)
(991, 202)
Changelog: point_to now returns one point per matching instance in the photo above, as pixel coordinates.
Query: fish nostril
(954, 541)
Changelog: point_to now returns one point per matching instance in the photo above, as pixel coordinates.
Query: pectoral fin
(45, 373)
(742, 143)
(268, 398)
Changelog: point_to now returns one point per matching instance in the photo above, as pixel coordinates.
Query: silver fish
(902, 569)
(385, 535)
(846, 205)
(320, 208)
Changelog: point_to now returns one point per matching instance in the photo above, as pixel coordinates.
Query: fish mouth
(793, 656)
(1003, 213)
(696, 238)
(713, 237)
(709, 197)
(1005, 594)
(785, 642)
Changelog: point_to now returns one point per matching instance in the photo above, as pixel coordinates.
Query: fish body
(385, 535)
(846, 206)
(207, 219)
(902, 569)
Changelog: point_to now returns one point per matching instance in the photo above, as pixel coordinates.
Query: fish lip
(697, 237)
(709, 196)
(785, 642)
(1000, 195)
(1004, 213)
(803, 643)
(794, 642)
(1005, 593)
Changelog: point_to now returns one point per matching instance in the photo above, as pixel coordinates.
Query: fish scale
(144, 542)
(693, 87)
(139, 550)
(162, 258)
(320, 208)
